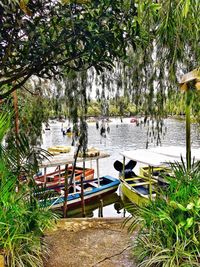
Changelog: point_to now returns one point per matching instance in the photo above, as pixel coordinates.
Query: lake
(122, 136)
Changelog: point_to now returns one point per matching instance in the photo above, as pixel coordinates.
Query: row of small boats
(57, 190)
(72, 185)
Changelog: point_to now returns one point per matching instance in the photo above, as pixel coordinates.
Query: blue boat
(92, 189)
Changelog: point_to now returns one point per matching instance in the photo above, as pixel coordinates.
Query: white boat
(140, 189)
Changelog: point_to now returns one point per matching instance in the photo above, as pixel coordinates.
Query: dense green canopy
(45, 38)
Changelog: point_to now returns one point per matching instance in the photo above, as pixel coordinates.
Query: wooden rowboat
(92, 189)
(55, 150)
(58, 177)
(77, 192)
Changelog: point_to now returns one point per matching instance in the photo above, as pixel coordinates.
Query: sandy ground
(90, 242)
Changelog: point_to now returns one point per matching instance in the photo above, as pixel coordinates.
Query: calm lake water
(122, 136)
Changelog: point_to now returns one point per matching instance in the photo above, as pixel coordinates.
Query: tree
(167, 48)
(47, 38)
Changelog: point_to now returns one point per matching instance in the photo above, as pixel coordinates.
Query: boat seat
(142, 190)
(78, 187)
(139, 184)
(132, 179)
(134, 182)
(93, 184)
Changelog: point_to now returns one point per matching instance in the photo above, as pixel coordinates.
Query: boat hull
(139, 190)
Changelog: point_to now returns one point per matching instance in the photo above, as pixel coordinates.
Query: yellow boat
(137, 189)
(157, 173)
(69, 134)
(90, 152)
(140, 189)
(59, 149)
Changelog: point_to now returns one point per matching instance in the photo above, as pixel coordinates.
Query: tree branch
(18, 85)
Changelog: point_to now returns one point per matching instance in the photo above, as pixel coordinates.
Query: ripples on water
(122, 136)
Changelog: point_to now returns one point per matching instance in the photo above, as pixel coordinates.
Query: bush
(22, 224)
(169, 227)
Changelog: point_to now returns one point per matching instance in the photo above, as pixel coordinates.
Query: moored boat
(133, 120)
(92, 189)
(76, 192)
(55, 150)
(140, 189)
(58, 177)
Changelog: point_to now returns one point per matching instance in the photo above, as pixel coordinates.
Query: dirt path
(89, 242)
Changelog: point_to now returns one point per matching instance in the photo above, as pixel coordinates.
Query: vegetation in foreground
(22, 220)
(169, 227)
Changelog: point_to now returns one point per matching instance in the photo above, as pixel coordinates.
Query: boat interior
(74, 188)
(142, 182)
(59, 175)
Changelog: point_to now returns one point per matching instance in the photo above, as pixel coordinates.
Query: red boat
(134, 120)
(58, 176)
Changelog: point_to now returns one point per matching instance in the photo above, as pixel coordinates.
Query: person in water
(103, 129)
(69, 130)
(97, 125)
(108, 128)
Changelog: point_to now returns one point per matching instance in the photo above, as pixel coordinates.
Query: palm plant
(169, 232)
(22, 220)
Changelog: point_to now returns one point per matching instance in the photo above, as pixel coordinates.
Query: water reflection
(99, 207)
(122, 136)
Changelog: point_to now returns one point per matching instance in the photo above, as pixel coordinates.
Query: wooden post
(82, 197)
(45, 176)
(123, 170)
(98, 172)
(59, 175)
(82, 188)
(66, 192)
(100, 213)
(150, 185)
(188, 130)
(188, 82)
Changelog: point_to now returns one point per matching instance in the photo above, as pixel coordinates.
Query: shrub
(169, 227)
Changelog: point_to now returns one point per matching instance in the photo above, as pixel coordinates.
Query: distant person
(108, 128)
(73, 141)
(47, 126)
(103, 129)
(69, 130)
(97, 125)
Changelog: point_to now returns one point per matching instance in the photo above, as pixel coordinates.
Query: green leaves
(186, 7)
(176, 205)
(169, 232)
(22, 224)
(58, 38)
